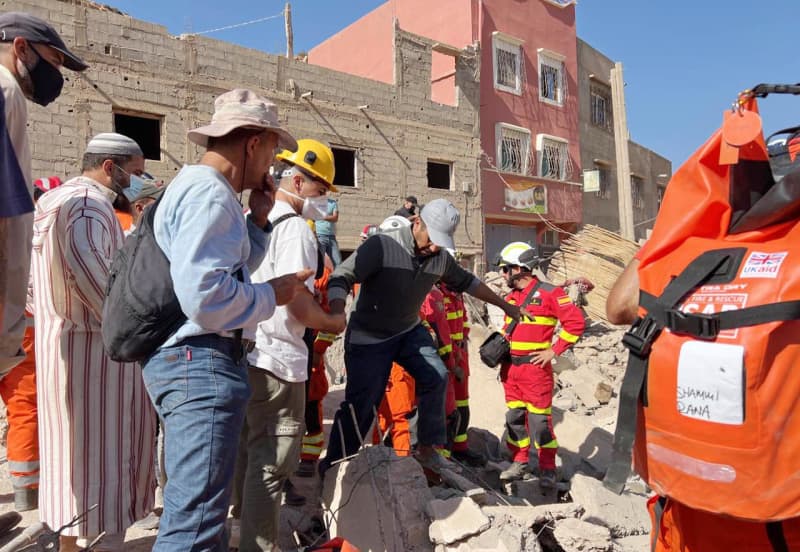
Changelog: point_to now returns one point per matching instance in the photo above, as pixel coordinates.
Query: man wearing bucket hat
(397, 269)
(31, 57)
(197, 380)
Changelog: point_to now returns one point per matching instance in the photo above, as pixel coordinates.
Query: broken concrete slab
(503, 538)
(584, 381)
(527, 516)
(455, 519)
(484, 443)
(473, 491)
(531, 492)
(575, 534)
(377, 501)
(576, 434)
(624, 514)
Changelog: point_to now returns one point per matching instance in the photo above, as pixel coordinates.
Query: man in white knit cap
(97, 426)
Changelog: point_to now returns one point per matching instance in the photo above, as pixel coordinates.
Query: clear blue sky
(684, 60)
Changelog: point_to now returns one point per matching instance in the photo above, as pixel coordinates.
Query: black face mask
(47, 81)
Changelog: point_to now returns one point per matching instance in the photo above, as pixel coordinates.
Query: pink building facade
(529, 124)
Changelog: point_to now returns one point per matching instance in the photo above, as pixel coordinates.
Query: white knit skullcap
(112, 143)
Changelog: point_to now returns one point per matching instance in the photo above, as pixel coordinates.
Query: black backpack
(140, 310)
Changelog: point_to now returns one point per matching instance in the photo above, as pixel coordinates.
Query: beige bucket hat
(242, 108)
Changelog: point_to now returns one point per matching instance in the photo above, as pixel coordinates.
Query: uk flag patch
(763, 265)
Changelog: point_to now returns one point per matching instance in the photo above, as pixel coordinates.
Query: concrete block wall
(138, 67)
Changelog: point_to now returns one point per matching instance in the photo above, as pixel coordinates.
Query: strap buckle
(640, 337)
(702, 326)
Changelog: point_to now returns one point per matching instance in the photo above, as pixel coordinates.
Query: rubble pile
(382, 502)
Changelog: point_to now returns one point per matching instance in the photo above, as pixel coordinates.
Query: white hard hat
(518, 254)
(393, 222)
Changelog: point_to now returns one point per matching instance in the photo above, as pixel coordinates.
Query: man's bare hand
(286, 287)
(512, 311)
(543, 356)
(338, 322)
(261, 203)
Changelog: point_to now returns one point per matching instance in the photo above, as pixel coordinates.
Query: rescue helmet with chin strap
(518, 254)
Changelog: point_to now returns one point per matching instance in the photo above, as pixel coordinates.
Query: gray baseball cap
(442, 218)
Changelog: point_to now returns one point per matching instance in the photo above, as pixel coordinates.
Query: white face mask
(314, 208)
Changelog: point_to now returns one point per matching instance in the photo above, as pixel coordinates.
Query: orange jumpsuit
(18, 390)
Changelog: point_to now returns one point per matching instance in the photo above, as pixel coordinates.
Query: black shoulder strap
(638, 340)
(282, 218)
(525, 303)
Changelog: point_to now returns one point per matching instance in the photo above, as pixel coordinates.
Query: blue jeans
(330, 247)
(200, 393)
(368, 368)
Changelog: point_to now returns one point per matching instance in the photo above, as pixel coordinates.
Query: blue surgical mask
(135, 188)
(135, 184)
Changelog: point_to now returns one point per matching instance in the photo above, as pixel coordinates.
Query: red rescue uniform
(529, 387)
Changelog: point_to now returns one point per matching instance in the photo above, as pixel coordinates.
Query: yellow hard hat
(314, 158)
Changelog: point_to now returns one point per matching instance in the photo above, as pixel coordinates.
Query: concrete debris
(635, 543)
(577, 435)
(473, 491)
(624, 514)
(531, 492)
(377, 501)
(485, 443)
(575, 534)
(603, 392)
(584, 383)
(455, 519)
(527, 517)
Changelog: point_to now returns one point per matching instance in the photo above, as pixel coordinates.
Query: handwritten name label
(711, 382)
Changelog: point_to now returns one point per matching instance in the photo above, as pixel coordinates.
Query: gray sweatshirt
(394, 283)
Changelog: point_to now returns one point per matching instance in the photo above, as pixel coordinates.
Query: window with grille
(554, 159)
(637, 192)
(600, 98)
(552, 85)
(513, 149)
(507, 54)
(605, 183)
(660, 196)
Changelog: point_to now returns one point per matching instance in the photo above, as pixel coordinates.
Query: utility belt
(519, 360)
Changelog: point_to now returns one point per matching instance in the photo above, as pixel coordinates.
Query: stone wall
(138, 68)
